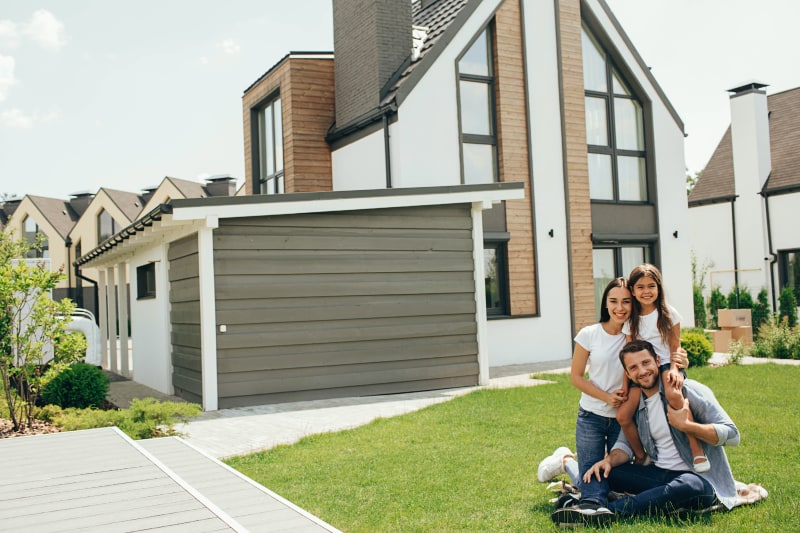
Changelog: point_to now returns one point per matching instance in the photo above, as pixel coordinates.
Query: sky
(119, 94)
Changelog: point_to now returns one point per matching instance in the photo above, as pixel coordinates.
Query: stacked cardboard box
(735, 324)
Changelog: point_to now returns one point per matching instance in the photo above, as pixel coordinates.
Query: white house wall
(360, 165)
(783, 211)
(150, 330)
(711, 242)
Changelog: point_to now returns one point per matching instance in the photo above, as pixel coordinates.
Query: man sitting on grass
(669, 483)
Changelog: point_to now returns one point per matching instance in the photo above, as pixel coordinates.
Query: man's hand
(679, 418)
(600, 467)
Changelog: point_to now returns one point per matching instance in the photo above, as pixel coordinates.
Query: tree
(691, 181)
(698, 286)
(716, 302)
(788, 306)
(31, 329)
(761, 310)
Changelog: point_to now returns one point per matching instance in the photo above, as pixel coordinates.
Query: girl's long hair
(614, 283)
(664, 322)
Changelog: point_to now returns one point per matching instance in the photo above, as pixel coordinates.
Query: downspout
(386, 148)
(68, 245)
(735, 256)
(773, 258)
(78, 275)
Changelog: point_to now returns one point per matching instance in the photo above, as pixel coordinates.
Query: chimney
(371, 41)
(750, 137)
(221, 185)
(147, 193)
(80, 200)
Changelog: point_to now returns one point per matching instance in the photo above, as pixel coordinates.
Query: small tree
(715, 303)
(698, 285)
(31, 321)
(788, 306)
(761, 310)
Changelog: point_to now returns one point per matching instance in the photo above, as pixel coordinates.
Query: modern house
(552, 95)
(744, 204)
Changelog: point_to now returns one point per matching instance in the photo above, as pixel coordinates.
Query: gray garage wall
(333, 304)
(184, 298)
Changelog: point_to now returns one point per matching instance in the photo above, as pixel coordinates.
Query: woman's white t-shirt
(605, 370)
(648, 330)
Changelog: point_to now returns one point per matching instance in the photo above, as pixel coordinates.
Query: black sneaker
(584, 514)
(567, 500)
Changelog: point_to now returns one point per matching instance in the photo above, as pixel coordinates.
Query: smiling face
(618, 304)
(642, 368)
(645, 290)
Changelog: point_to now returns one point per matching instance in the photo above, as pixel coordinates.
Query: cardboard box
(733, 318)
(742, 333)
(721, 338)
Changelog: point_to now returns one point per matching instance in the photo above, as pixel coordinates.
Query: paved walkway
(238, 431)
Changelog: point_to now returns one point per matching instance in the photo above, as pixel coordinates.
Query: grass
(470, 464)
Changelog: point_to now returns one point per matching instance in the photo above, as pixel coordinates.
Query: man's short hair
(634, 347)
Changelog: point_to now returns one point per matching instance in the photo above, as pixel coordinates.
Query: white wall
(360, 165)
(783, 212)
(150, 324)
(711, 238)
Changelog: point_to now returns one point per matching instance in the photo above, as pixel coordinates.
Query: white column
(208, 312)
(480, 290)
(122, 303)
(102, 313)
(113, 352)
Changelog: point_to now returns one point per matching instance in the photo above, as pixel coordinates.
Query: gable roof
(129, 203)
(58, 213)
(189, 189)
(716, 183)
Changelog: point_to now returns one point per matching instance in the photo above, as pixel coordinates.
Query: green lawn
(470, 464)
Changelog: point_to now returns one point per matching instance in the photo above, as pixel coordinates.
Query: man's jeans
(657, 490)
(594, 436)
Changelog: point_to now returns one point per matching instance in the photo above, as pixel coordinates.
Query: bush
(716, 301)
(80, 385)
(788, 306)
(777, 339)
(699, 307)
(761, 311)
(698, 346)
(146, 419)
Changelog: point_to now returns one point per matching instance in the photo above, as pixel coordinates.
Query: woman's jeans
(594, 436)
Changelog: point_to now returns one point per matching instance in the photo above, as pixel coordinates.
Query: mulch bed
(39, 427)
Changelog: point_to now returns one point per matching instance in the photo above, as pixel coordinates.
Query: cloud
(229, 46)
(7, 78)
(16, 118)
(9, 35)
(45, 29)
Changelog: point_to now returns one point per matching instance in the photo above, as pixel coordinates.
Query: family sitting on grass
(648, 440)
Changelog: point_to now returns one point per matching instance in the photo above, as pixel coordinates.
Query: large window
(39, 248)
(477, 112)
(106, 226)
(146, 281)
(614, 130)
(616, 261)
(270, 148)
(496, 284)
(789, 270)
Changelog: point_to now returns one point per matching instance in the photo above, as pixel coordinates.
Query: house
(743, 207)
(440, 93)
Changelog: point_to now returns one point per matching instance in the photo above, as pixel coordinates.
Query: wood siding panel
(184, 298)
(340, 304)
(513, 155)
(579, 205)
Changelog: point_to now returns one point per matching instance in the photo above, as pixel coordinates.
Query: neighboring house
(175, 188)
(552, 95)
(50, 217)
(743, 209)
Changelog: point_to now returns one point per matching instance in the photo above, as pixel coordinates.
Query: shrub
(699, 307)
(716, 301)
(80, 385)
(777, 339)
(761, 310)
(788, 306)
(146, 418)
(698, 346)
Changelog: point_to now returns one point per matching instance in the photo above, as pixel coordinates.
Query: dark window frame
(499, 244)
(115, 226)
(274, 183)
(783, 269)
(611, 149)
(146, 281)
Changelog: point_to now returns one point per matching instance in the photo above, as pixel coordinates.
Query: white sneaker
(553, 465)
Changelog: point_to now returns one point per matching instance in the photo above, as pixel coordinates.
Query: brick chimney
(371, 41)
(80, 200)
(221, 185)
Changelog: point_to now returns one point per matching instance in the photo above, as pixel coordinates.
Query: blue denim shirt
(705, 410)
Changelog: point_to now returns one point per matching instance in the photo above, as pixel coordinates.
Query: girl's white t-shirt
(605, 370)
(648, 330)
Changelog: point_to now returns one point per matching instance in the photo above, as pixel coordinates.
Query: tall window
(106, 226)
(40, 248)
(789, 270)
(496, 285)
(616, 261)
(614, 130)
(477, 105)
(270, 148)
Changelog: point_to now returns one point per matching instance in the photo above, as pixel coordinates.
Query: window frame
(115, 226)
(145, 290)
(611, 149)
(274, 183)
(783, 270)
(489, 139)
(498, 243)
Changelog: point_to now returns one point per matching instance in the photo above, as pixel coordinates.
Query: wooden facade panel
(182, 247)
(184, 297)
(185, 267)
(343, 303)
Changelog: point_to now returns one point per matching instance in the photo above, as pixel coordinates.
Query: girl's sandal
(701, 464)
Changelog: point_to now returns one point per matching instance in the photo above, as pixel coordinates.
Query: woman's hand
(680, 358)
(616, 398)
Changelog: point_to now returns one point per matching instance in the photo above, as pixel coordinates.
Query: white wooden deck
(101, 480)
